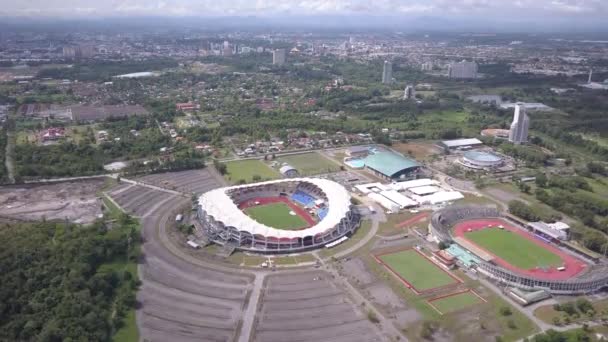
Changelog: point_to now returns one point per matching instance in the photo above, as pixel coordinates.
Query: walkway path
(252, 306)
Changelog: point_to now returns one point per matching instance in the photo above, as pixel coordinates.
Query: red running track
(572, 264)
(269, 200)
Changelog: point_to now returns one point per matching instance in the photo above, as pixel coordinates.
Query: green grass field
(513, 248)
(246, 169)
(456, 302)
(421, 273)
(310, 163)
(276, 215)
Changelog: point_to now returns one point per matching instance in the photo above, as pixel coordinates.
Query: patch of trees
(521, 209)
(530, 155)
(56, 283)
(578, 335)
(104, 70)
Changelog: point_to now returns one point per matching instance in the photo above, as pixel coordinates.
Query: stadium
(481, 238)
(280, 216)
(481, 160)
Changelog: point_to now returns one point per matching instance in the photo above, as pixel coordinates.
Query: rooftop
(461, 142)
(389, 163)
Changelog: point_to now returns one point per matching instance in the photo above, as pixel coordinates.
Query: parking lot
(197, 181)
(309, 307)
(139, 200)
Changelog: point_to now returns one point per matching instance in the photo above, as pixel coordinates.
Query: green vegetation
(310, 163)
(456, 302)
(421, 273)
(513, 248)
(276, 215)
(66, 282)
(577, 311)
(247, 171)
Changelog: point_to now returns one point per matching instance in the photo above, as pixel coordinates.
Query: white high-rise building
(278, 57)
(463, 69)
(427, 66)
(387, 73)
(409, 92)
(518, 134)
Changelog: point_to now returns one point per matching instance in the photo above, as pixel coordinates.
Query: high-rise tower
(518, 134)
(387, 73)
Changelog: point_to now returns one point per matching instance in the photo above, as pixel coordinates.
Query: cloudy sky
(440, 8)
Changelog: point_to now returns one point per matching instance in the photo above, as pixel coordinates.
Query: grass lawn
(421, 273)
(310, 163)
(513, 248)
(276, 215)
(456, 302)
(246, 169)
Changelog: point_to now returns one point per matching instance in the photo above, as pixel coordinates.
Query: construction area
(75, 201)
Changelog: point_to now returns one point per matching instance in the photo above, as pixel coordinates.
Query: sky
(570, 9)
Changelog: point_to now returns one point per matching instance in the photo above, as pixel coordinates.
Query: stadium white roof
(218, 204)
(461, 142)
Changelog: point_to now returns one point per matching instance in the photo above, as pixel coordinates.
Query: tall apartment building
(387, 73)
(518, 134)
(278, 57)
(462, 69)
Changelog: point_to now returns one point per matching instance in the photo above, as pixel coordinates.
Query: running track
(573, 265)
(269, 200)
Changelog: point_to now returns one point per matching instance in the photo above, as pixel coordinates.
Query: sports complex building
(384, 164)
(482, 239)
(280, 216)
(481, 160)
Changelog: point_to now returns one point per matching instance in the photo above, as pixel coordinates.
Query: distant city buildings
(462, 69)
(409, 92)
(278, 57)
(387, 73)
(79, 51)
(518, 134)
(427, 66)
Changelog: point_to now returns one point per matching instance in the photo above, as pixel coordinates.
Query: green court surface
(455, 302)
(246, 169)
(310, 163)
(417, 270)
(514, 248)
(276, 215)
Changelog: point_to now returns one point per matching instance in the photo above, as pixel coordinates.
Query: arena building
(280, 216)
(450, 226)
(480, 160)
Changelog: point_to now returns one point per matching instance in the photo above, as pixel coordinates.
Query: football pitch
(310, 163)
(417, 270)
(514, 248)
(276, 215)
(455, 302)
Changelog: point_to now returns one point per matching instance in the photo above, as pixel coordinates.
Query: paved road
(252, 306)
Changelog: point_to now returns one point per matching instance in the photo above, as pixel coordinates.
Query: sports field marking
(455, 301)
(514, 248)
(416, 270)
(276, 215)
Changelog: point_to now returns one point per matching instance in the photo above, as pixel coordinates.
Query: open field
(247, 169)
(416, 270)
(513, 248)
(417, 150)
(455, 302)
(75, 201)
(276, 215)
(309, 164)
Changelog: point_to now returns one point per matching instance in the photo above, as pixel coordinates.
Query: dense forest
(58, 283)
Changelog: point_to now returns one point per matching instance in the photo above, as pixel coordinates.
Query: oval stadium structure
(280, 216)
(443, 222)
(481, 160)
